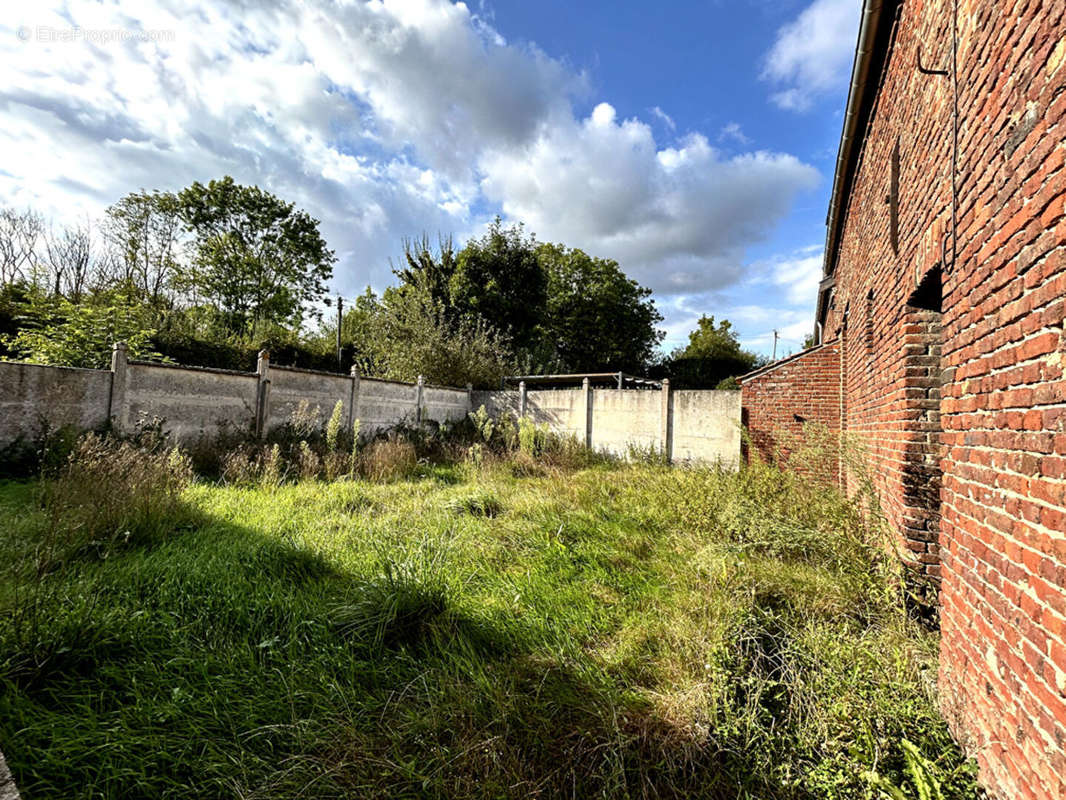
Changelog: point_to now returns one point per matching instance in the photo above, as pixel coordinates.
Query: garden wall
(32, 396)
(689, 426)
(685, 426)
(779, 399)
(193, 402)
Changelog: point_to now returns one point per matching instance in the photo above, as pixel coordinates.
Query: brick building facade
(943, 306)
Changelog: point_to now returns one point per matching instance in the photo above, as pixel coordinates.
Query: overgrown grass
(482, 630)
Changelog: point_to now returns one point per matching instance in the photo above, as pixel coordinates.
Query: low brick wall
(779, 399)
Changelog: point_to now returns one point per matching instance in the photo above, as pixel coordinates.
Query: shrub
(531, 437)
(483, 423)
(333, 428)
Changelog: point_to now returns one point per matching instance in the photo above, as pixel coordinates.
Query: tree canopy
(713, 355)
(254, 257)
(208, 274)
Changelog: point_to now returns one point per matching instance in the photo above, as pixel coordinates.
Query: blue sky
(693, 141)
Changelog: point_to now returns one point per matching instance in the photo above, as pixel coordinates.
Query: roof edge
(755, 373)
(869, 52)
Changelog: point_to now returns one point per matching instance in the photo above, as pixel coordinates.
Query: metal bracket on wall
(925, 71)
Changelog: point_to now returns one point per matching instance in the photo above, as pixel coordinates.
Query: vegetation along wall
(945, 295)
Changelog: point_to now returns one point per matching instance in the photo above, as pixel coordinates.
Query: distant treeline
(212, 274)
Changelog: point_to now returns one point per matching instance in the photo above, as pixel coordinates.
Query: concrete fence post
(353, 399)
(419, 400)
(116, 411)
(521, 398)
(262, 394)
(586, 393)
(8, 789)
(666, 422)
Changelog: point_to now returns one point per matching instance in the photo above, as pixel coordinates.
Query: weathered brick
(1002, 354)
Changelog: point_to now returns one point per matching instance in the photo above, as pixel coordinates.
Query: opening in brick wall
(922, 472)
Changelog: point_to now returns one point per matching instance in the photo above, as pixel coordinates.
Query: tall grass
(602, 631)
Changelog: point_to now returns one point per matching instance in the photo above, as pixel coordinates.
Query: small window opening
(929, 295)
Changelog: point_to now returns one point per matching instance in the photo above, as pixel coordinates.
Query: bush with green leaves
(57, 331)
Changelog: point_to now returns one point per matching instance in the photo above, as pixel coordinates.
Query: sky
(694, 142)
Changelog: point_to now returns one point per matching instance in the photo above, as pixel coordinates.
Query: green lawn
(611, 632)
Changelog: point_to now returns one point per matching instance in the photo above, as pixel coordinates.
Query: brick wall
(778, 400)
(994, 452)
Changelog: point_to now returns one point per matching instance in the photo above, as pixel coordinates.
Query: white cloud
(666, 119)
(383, 119)
(678, 218)
(733, 132)
(812, 54)
(786, 287)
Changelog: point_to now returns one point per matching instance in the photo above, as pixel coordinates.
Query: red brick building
(941, 320)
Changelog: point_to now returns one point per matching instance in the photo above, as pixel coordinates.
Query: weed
(334, 429)
(112, 492)
(398, 607)
(389, 459)
(477, 504)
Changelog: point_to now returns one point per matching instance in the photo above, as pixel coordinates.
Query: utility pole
(340, 319)
(772, 358)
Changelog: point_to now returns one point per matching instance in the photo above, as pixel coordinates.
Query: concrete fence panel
(706, 426)
(318, 392)
(496, 402)
(562, 410)
(382, 404)
(445, 405)
(192, 402)
(623, 419)
(34, 396)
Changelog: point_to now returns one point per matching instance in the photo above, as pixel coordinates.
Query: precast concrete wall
(441, 404)
(315, 393)
(34, 397)
(686, 426)
(192, 403)
(623, 420)
(196, 402)
(383, 404)
(563, 410)
(706, 426)
(496, 403)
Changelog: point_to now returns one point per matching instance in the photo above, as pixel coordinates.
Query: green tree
(144, 230)
(431, 272)
(597, 318)
(498, 279)
(713, 354)
(712, 341)
(255, 257)
(409, 334)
